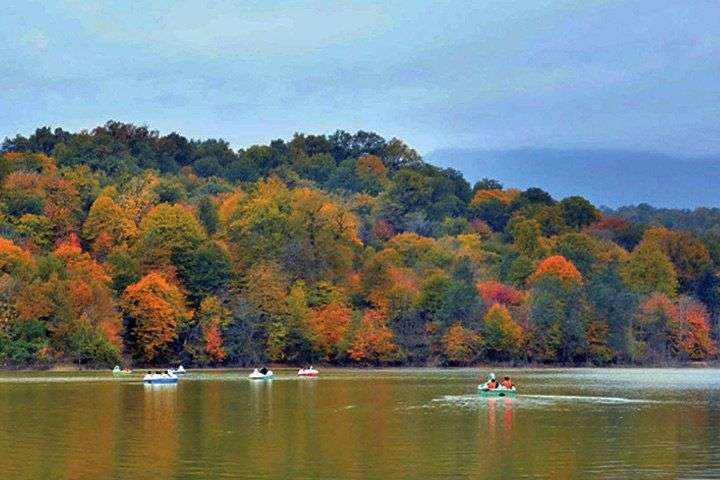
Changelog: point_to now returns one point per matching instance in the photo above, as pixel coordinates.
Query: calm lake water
(361, 424)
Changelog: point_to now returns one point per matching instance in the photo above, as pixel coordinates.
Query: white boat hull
(256, 375)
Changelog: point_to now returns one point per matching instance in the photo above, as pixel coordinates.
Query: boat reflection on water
(508, 413)
(506, 404)
(261, 395)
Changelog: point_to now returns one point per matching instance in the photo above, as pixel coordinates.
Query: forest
(119, 245)
(702, 220)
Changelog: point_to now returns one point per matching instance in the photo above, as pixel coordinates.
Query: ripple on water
(475, 401)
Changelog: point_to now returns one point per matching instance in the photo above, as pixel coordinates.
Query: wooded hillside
(121, 243)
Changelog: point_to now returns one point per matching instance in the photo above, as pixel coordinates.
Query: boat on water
(261, 374)
(178, 371)
(160, 378)
(496, 392)
(492, 388)
(118, 371)
(308, 372)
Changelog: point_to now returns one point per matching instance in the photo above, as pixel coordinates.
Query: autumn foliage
(373, 341)
(329, 325)
(157, 309)
(557, 267)
(493, 292)
(461, 346)
(120, 244)
(503, 336)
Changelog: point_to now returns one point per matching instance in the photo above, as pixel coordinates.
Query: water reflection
(359, 425)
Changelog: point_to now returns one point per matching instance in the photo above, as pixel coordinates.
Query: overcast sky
(631, 74)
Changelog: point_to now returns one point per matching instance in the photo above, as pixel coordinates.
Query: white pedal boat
(308, 372)
(178, 371)
(159, 378)
(262, 374)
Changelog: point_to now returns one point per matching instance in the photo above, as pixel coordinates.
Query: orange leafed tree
(374, 340)
(88, 288)
(212, 316)
(461, 345)
(13, 258)
(34, 301)
(157, 307)
(371, 165)
(559, 267)
(487, 195)
(63, 206)
(329, 325)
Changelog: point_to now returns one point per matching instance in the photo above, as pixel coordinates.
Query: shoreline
(284, 366)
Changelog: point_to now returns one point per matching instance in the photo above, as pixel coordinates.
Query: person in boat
(264, 370)
(492, 384)
(507, 383)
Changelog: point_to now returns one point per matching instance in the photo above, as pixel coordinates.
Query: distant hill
(606, 177)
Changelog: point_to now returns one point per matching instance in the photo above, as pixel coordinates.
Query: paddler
(491, 383)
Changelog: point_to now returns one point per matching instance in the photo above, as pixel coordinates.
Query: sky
(485, 74)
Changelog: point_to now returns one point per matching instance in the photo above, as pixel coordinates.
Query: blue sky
(632, 74)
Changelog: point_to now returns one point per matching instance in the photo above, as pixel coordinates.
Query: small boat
(160, 378)
(496, 392)
(118, 371)
(178, 371)
(262, 374)
(308, 372)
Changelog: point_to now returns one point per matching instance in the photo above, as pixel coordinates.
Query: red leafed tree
(689, 331)
(214, 343)
(493, 292)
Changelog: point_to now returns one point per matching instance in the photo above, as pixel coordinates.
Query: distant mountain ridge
(611, 178)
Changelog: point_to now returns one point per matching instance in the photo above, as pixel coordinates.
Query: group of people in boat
(492, 383)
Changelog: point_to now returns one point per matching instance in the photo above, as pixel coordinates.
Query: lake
(362, 424)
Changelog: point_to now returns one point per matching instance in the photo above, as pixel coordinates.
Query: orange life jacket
(507, 383)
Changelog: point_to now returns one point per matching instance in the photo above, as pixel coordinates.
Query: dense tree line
(701, 220)
(122, 244)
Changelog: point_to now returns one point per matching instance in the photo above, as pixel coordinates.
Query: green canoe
(497, 392)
